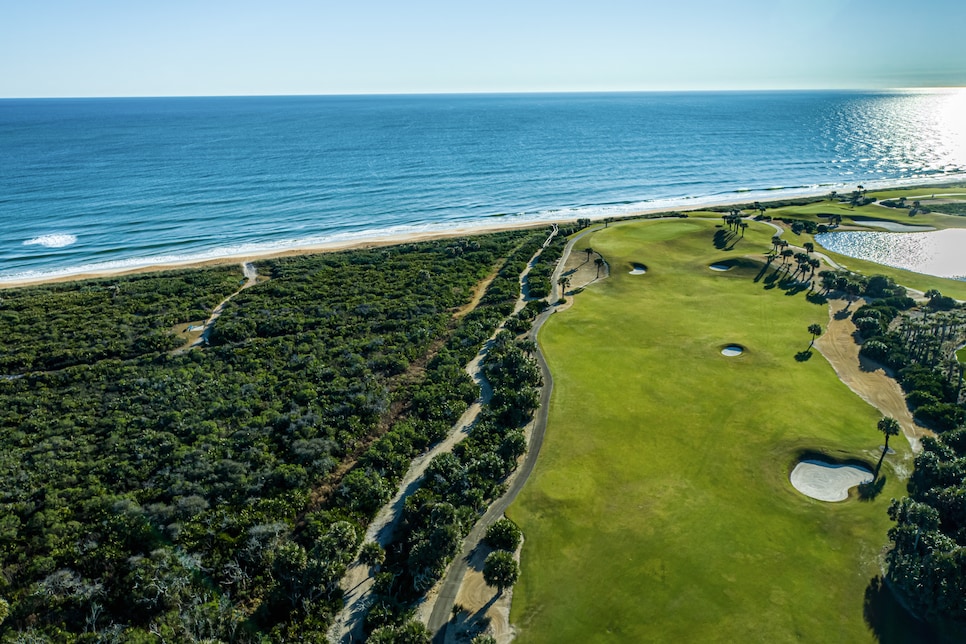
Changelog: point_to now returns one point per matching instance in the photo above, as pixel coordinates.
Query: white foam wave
(56, 240)
(400, 232)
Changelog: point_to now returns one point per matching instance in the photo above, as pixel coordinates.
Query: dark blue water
(89, 184)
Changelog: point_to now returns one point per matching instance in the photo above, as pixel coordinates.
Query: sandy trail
(251, 278)
(358, 581)
(866, 378)
(463, 584)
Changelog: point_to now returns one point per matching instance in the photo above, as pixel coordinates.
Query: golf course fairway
(660, 508)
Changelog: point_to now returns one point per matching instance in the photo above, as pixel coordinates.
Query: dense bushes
(194, 495)
(60, 325)
(918, 347)
(538, 281)
(458, 485)
(927, 563)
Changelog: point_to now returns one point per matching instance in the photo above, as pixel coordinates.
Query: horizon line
(503, 93)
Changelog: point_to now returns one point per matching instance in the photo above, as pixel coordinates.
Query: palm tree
(600, 262)
(564, 285)
(889, 427)
(809, 247)
(743, 226)
(815, 330)
(589, 251)
(501, 570)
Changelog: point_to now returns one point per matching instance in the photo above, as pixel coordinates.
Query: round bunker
(721, 267)
(827, 481)
(732, 350)
(638, 269)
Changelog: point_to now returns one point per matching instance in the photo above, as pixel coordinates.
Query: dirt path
(463, 583)
(358, 581)
(866, 378)
(478, 293)
(251, 278)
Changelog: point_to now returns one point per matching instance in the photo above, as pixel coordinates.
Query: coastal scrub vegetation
(62, 325)
(220, 493)
(928, 558)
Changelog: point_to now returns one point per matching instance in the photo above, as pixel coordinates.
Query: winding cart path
(358, 581)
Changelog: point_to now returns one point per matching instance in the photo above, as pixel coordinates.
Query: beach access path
(359, 578)
(250, 279)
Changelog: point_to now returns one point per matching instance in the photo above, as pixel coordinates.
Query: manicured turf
(660, 508)
(919, 281)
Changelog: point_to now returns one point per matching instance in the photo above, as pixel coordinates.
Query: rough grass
(660, 508)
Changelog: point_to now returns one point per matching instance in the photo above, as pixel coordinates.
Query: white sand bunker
(732, 350)
(638, 269)
(720, 267)
(827, 481)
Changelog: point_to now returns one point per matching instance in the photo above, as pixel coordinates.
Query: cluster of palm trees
(932, 339)
(564, 280)
(734, 221)
(806, 264)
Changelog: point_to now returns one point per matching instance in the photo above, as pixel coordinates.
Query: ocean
(101, 184)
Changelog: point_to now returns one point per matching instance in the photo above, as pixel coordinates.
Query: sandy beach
(377, 241)
(373, 242)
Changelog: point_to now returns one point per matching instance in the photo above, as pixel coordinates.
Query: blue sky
(221, 47)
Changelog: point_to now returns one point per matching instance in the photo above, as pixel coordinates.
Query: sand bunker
(732, 350)
(638, 269)
(827, 481)
(721, 267)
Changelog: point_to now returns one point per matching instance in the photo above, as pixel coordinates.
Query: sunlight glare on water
(921, 131)
(937, 253)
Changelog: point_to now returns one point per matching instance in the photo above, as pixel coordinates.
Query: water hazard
(938, 253)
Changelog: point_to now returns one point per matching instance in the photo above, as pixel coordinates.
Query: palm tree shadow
(468, 625)
(803, 356)
(890, 621)
(764, 269)
(721, 239)
(869, 491)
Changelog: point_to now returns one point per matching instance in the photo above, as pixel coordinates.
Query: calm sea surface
(91, 184)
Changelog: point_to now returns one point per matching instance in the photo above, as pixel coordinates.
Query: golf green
(660, 508)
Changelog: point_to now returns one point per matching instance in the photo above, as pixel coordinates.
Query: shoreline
(394, 239)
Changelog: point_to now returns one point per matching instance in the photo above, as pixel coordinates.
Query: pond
(938, 253)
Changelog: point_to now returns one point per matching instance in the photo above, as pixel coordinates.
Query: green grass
(860, 214)
(919, 281)
(660, 508)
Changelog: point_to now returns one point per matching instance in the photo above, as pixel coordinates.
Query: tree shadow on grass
(889, 620)
(804, 356)
(764, 269)
(721, 239)
(868, 491)
(816, 298)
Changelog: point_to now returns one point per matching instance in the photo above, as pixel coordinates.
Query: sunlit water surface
(941, 252)
(104, 184)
